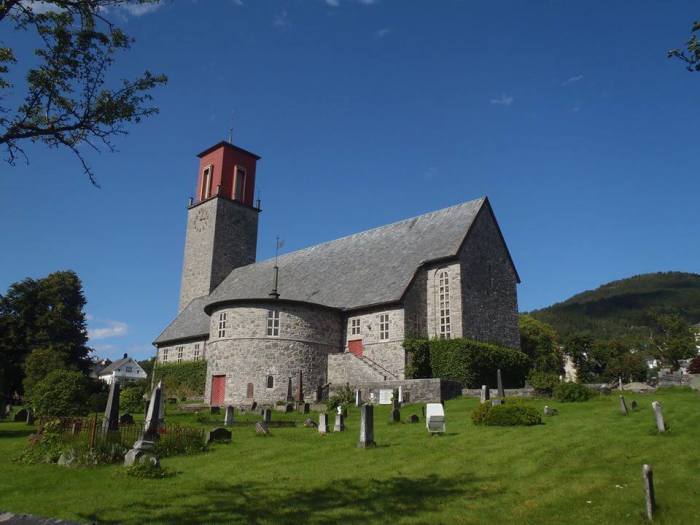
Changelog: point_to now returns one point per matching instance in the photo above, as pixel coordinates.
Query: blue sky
(568, 115)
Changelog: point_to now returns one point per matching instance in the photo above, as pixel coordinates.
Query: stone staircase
(349, 368)
(377, 367)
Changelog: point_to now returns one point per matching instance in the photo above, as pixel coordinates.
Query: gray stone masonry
(488, 283)
(184, 351)
(433, 390)
(221, 235)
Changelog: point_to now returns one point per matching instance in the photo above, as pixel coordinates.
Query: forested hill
(619, 308)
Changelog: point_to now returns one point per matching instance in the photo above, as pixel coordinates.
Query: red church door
(355, 347)
(218, 390)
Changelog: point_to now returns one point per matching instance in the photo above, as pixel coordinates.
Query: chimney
(125, 356)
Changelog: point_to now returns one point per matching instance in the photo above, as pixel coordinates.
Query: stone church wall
(433, 299)
(246, 354)
(180, 352)
(489, 295)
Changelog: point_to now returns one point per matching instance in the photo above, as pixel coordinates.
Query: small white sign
(385, 395)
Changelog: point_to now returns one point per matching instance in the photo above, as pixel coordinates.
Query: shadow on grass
(342, 501)
(16, 433)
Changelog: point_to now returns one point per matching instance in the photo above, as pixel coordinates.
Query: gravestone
(485, 394)
(304, 408)
(496, 402)
(634, 405)
(623, 406)
(395, 412)
(300, 388)
(549, 411)
(309, 423)
(30, 417)
(385, 396)
(267, 415)
(214, 410)
(262, 429)
(323, 423)
(413, 419)
(290, 396)
(228, 418)
(8, 409)
(659, 416)
(499, 380)
(358, 397)
(21, 415)
(435, 418)
(126, 419)
(366, 427)
(110, 423)
(619, 383)
(142, 451)
(339, 423)
(648, 476)
(218, 435)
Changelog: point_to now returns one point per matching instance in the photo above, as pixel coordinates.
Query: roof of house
(113, 366)
(368, 268)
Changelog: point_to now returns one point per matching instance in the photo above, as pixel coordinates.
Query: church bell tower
(222, 220)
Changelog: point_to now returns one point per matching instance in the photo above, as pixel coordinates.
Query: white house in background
(696, 329)
(125, 369)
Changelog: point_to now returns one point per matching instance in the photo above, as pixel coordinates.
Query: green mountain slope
(618, 308)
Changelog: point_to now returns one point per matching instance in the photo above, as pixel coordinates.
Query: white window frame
(129, 369)
(355, 327)
(222, 325)
(180, 351)
(195, 352)
(206, 181)
(443, 311)
(383, 327)
(242, 172)
(273, 323)
(164, 359)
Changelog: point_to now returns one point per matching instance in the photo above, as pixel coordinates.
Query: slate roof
(364, 269)
(113, 366)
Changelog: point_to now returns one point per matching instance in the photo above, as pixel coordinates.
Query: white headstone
(435, 418)
(385, 395)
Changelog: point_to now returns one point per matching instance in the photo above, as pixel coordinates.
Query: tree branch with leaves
(690, 54)
(67, 101)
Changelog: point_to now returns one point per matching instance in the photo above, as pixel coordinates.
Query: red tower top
(226, 171)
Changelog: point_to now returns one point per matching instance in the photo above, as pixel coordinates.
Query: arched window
(270, 382)
(443, 279)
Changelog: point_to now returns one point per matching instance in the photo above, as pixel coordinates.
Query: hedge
(506, 415)
(472, 363)
(182, 380)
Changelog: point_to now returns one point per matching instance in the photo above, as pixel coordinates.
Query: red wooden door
(355, 347)
(218, 390)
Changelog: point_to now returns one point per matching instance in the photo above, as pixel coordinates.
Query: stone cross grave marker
(323, 423)
(648, 476)
(366, 427)
(499, 379)
(659, 416)
(623, 406)
(485, 393)
(228, 417)
(110, 423)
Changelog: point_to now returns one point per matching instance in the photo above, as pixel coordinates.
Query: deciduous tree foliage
(539, 341)
(67, 102)
(40, 314)
(690, 53)
(671, 339)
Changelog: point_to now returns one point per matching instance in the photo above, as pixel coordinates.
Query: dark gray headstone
(323, 423)
(366, 427)
(21, 415)
(623, 406)
(413, 419)
(304, 408)
(300, 388)
(126, 419)
(267, 415)
(290, 395)
(215, 410)
(154, 415)
(218, 435)
(110, 423)
(648, 476)
(499, 380)
(228, 418)
(633, 405)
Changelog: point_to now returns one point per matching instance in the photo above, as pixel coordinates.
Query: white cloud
(571, 80)
(382, 32)
(281, 20)
(136, 9)
(503, 100)
(39, 8)
(238, 2)
(109, 329)
(333, 3)
(368, 2)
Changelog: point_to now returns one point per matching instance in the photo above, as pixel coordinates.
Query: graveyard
(583, 465)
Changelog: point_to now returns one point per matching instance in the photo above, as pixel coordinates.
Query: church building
(337, 312)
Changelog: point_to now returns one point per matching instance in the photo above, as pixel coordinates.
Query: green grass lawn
(582, 466)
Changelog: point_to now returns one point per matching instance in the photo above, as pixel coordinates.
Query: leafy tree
(40, 363)
(68, 103)
(671, 338)
(131, 398)
(690, 54)
(42, 313)
(580, 348)
(539, 341)
(61, 393)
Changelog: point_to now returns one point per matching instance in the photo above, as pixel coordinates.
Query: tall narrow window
(239, 188)
(444, 304)
(354, 327)
(179, 353)
(222, 324)
(270, 382)
(273, 323)
(165, 355)
(206, 183)
(195, 354)
(384, 326)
